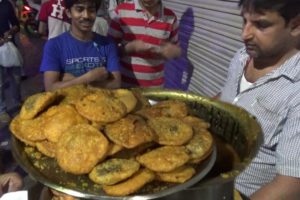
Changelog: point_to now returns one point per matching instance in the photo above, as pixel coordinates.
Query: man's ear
(295, 26)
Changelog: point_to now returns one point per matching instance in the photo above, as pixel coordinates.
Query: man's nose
(247, 32)
(86, 13)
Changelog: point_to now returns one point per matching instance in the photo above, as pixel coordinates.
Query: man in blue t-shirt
(80, 56)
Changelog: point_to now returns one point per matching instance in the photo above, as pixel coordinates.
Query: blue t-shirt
(66, 54)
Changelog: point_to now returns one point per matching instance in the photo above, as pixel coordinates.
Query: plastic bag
(10, 56)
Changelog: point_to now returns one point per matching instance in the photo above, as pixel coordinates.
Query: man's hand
(67, 77)
(167, 50)
(10, 182)
(61, 196)
(137, 46)
(97, 74)
(282, 187)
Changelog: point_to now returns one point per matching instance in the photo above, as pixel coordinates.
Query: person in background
(10, 182)
(264, 79)
(107, 9)
(52, 19)
(80, 56)
(9, 26)
(147, 35)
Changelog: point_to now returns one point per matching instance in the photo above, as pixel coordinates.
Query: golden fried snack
(171, 131)
(59, 118)
(29, 131)
(131, 153)
(164, 159)
(132, 185)
(47, 148)
(179, 175)
(168, 108)
(80, 148)
(14, 128)
(114, 148)
(200, 146)
(130, 131)
(70, 95)
(196, 122)
(101, 108)
(142, 102)
(113, 171)
(36, 104)
(127, 97)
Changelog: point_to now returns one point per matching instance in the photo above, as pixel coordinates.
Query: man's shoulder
(60, 39)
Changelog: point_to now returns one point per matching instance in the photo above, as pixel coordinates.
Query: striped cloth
(130, 23)
(275, 102)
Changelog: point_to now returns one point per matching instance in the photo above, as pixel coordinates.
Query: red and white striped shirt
(131, 23)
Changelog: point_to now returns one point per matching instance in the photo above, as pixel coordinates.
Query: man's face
(83, 16)
(149, 3)
(266, 35)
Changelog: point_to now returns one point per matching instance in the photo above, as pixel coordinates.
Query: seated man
(80, 56)
(264, 79)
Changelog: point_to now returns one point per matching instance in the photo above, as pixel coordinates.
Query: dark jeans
(12, 75)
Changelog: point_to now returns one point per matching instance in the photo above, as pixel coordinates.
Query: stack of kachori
(115, 137)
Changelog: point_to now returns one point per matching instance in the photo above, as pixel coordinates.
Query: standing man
(80, 56)
(147, 34)
(9, 26)
(53, 19)
(264, 79)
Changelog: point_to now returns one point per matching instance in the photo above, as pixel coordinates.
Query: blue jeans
(12, 75)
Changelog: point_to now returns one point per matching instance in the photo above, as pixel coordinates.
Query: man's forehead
(260, 14)
(85, 4)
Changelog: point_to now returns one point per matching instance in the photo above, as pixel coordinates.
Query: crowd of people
(263, 76)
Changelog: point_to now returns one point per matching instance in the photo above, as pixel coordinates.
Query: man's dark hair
(288, 9)
(70, 3)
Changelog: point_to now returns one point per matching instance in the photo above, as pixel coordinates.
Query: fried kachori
(131, 185)
(179, 175)
(101, 108)
(113, 171)
(196, 122)
(171, 131)
(36, 103)
(130, 131)
(47, 148)
(80, 148)
(59, 118)
(28, 130)
(200, 146)
(71, 94)
(168, 157)
(168, 108)
(127, 97)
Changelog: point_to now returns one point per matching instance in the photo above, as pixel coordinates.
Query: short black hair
(70, 3)
(288, 9)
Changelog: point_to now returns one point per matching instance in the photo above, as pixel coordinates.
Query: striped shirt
(131, 23)
(274, 100)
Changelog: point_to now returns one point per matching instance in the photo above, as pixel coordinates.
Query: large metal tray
(233, 124)
(46, 171)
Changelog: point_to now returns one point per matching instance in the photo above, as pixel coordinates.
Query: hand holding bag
(10, 56)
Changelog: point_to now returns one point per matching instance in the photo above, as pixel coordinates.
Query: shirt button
(235, 100)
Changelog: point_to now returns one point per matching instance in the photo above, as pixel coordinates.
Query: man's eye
(79, 9)
(262, 25)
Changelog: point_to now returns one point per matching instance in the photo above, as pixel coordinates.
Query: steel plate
(46, 171)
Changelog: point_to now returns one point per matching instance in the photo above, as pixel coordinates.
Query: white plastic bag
(10, 56)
